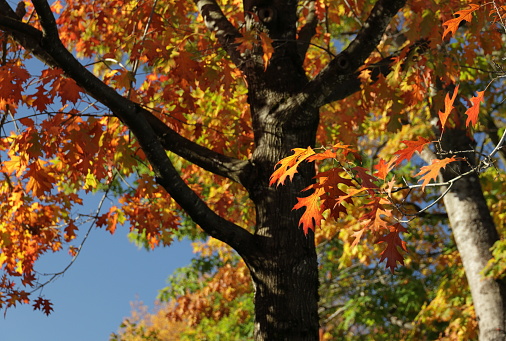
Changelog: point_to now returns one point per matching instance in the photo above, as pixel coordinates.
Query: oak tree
(218, 112)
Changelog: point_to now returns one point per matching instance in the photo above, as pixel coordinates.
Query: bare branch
(428, 156)
(499, 145)
(78, 250)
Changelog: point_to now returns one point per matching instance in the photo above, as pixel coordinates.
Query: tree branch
(333, 82)
(308, 30)
(492, 134)
(217, 163)
(27, 36)
(47, 20)
(218, 23)
(135, 117)
(7, 11)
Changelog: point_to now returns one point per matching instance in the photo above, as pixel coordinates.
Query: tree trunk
(284, 106)
(475, 233)
(284, 272)
(284, 265)
(283, 262)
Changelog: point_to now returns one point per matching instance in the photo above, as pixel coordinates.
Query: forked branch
(333, 80)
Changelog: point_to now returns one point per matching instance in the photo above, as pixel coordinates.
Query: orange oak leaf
(443, 116)
(246, 42)
(391, 252)
(266, 48)
(40, 181)
(351, 193)
(358, 235)
(411, 148)
(16, 164)
(390, 186)
(453, 24)
(68, 90)
(288, 165)
(432, 171)
(12, 81)
(327, 154)
(110, 219)
(472, 112)
(57, 7)
(346, 148)
(383, 168)
(312, 216)
(378, 217)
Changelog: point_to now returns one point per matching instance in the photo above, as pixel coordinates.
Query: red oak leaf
(68, 90)
(367, 179)
(391, 252)
(44, 305)
(70, 231)
(331, 179)
(412, 147)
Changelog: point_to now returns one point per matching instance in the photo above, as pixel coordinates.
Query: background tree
(230, 112)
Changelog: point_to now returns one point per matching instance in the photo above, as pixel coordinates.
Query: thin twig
(79, 248)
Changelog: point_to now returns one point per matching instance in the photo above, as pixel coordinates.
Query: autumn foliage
(381, 156)
(335, 188)
(66, 144)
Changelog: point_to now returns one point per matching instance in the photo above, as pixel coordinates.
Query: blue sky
(94, 295)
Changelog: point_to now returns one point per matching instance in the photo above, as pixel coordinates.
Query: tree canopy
(297, 133)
